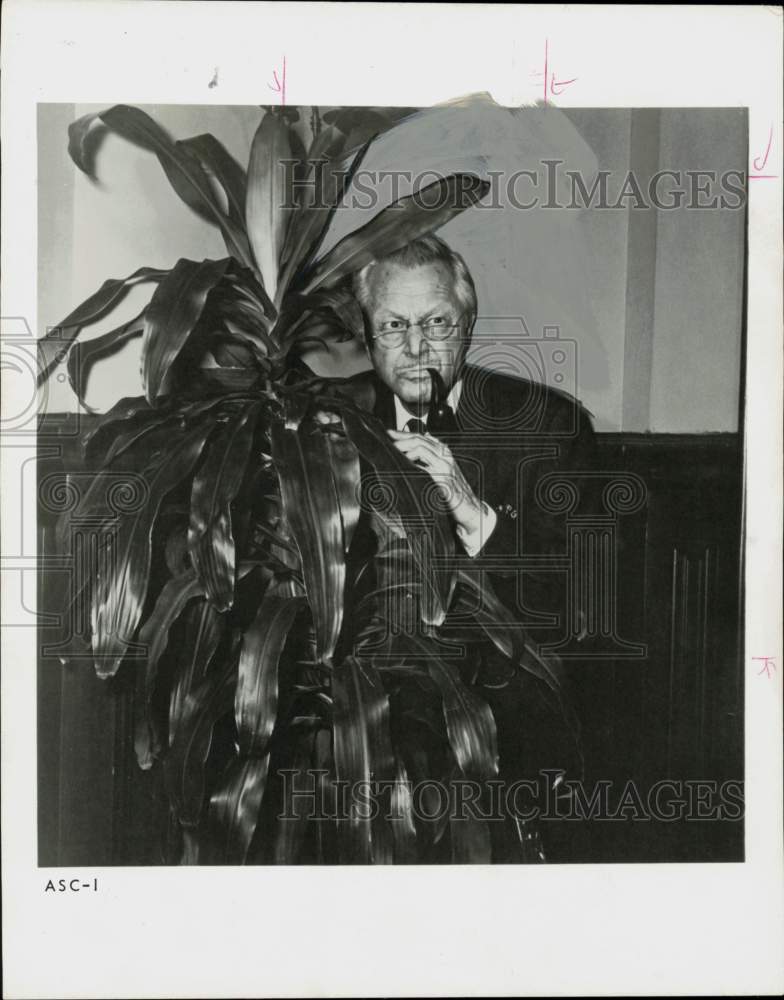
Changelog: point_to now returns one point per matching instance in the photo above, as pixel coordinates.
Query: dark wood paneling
(677, 713)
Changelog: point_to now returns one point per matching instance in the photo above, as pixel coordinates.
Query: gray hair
(425, 250)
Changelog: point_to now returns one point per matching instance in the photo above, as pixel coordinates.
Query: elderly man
(501, 435)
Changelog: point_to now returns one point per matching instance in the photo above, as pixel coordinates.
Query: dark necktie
(442, 423)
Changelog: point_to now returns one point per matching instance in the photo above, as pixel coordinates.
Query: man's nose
(416, 341)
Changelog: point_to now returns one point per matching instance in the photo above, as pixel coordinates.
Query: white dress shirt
(472, 541)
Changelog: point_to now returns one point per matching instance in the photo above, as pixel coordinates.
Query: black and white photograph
(406, 526)
(384, 478)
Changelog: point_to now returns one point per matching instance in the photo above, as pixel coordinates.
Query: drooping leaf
(510, 638)
(126, 413)
(151, 421)
(79, 146)
(298, 793)
(470, 724)
(54, 346)
(231, 352)
(203, 631)
(121, 588)
(185, 762)
(332, 311)
(256, 700)
(171, 316)
(215, 485)
(410, 492)
(268, 202)
(402, 816)
(358, 389)
(217, 160)
(114, 491)
(183, 170)
(154, 634)
(393, 227)
(344, 459)
(82, 357)
(311, 221)
(247, 292)
(234, 809)
(361, 123)
(312, 509)
(479, 602)
(363, 755)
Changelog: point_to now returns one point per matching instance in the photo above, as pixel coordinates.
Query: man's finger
(325, 417)
(426, 455)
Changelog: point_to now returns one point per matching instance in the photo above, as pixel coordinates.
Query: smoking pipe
(439, 415)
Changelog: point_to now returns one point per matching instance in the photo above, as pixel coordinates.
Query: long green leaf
(311, 221)
(469, 722)
(172, 315)
(122, 487)
(185, 763)
(217, 160)
(121, 587)
(124, 409)
(299, 789)
(234, 810)
(510, 638)
(402, 816)
(268, 201)
(256, 699)
(479, 602)
(393, 227)
(184, 171)
(203, 630)
(363, 755)
(333, 311)
(428, 530)
(344, 459)
(215, 485)
(312, 509)
(361, 123)
(150, 421)
(82, 357)
(79, 148)
(470, 725)
(54, 346)
(154, 634)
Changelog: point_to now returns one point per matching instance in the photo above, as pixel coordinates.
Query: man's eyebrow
(436, 310)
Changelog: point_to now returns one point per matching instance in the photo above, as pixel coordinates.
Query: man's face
(421, 296)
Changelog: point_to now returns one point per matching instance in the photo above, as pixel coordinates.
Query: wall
(646, 304)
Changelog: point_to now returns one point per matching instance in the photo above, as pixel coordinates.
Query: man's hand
(437, 459)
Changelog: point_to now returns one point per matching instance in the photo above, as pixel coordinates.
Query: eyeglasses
(393, 332)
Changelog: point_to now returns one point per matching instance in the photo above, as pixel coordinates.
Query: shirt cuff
(473, 541)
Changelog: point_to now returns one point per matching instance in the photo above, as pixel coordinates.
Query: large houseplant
(268, 645)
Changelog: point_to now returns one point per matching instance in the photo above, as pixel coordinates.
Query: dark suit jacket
(517, 443)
